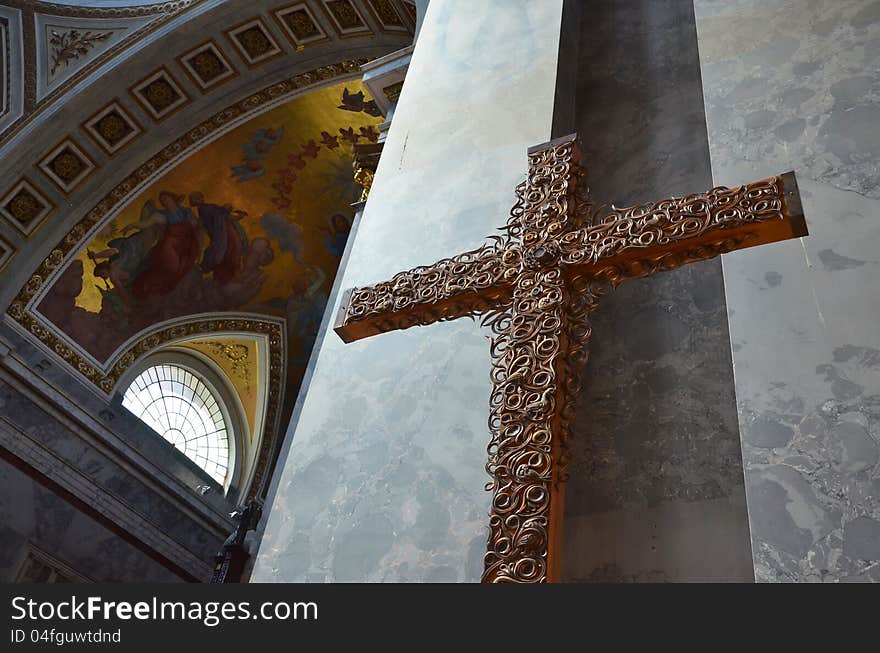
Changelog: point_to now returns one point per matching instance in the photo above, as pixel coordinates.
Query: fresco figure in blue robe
(124, 260)
(255, 152)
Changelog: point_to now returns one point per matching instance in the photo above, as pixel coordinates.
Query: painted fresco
(256, 221)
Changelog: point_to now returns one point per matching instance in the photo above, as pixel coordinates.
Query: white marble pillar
(383, 476)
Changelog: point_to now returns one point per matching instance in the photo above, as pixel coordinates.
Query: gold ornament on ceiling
(301, 24)
(346, 15)
(72, 45)
(386, 13)
(24, 207)
(239, 357)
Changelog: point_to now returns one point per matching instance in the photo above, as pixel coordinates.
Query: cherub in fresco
(229, 242)
(286, 233)
(176, 251)
(255, 152)
(336, 234)
(357, 103)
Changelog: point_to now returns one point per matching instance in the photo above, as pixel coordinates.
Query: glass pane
(179, 407)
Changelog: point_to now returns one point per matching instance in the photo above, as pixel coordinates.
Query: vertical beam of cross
(536, 287)
(532, 376)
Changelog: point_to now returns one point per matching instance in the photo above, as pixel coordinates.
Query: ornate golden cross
(536, 286)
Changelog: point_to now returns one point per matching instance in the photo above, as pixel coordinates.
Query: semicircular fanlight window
(178, 405)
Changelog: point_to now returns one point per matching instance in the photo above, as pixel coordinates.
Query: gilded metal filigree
(536, 286)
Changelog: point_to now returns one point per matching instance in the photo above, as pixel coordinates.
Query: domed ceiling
(180, 174)
(255, 222)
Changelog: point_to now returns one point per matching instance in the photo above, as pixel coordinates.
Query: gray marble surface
(31, 513)
(112, 475)
(384, 476)
(656, 488)
(796, 85)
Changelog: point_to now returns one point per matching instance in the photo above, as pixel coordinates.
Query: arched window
(178, 405)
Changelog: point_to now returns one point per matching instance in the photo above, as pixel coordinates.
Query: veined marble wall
(384, 476)
(656, 480)
(795, 84)
(30, 513)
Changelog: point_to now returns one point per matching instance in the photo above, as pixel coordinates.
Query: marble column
(383, 475)
(656, 481)
(796, 85)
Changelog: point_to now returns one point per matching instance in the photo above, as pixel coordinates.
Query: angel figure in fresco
(255, 152)
(175, 252)
(229, 242)
(336, 234)
(357, 103)
(124, 260)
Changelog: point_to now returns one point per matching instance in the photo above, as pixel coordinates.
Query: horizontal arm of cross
(464, 285)
(638, 241)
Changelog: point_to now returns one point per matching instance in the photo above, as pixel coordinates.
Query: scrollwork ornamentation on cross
(536, 286)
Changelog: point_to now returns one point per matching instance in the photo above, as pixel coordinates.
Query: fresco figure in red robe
(175, 254)
(228, 245)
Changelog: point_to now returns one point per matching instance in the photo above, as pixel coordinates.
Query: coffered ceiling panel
(66, 45)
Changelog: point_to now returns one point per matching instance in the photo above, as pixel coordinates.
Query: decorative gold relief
(112, 128)
(238, 358)
(238, 355)
(207, 66)
(72, 44)
(301, 25)
(387, 15)
(393, 92)
(25, 207)
(366, 160)
(254, 42)
(536, 287)
(67, 165)
(159, 94)
(346, 17)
